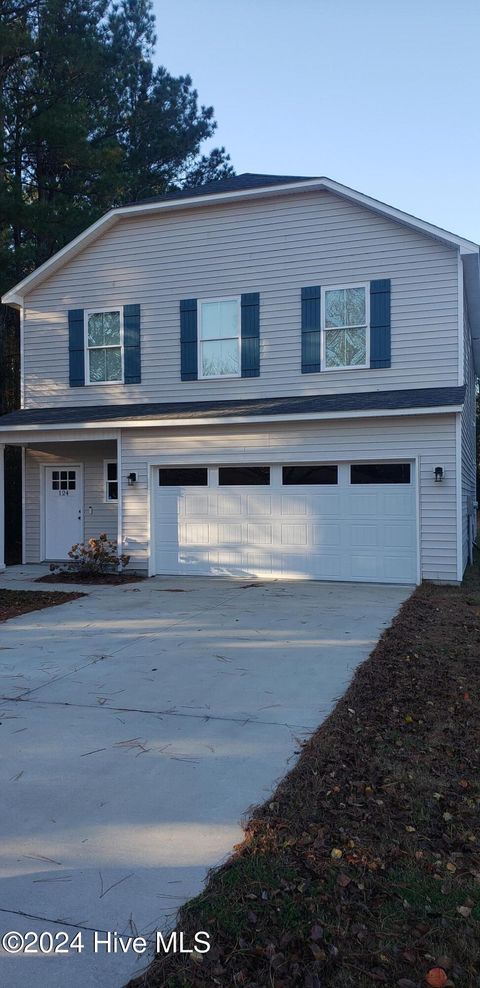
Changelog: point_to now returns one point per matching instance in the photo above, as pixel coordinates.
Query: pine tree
(86, 123)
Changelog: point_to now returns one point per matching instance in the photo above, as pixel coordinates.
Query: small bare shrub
(93, 558)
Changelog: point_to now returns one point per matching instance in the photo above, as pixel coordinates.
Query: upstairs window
(345, 327)
(104, 334)
(219, 337)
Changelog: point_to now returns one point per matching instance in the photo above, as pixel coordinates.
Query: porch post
(2, 507)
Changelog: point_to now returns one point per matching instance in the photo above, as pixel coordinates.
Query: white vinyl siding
(102, 518)
(468, 459)
(431, 438)
(274, 247)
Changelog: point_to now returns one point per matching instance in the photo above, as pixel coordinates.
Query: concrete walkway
(138, 726)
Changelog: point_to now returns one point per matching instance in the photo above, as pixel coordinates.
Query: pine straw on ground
(16, 602)
(364, 867)
(114, 579)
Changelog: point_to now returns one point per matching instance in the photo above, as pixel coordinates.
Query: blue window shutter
(380, 347)
(76, 347)
(250, 332)
(311, 330)
(188, 339)
(131, 345)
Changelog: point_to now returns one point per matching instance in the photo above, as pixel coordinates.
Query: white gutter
(230, 420)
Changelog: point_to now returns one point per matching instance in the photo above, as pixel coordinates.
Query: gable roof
(239, 187)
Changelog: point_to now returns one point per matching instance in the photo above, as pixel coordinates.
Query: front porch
(69, 494)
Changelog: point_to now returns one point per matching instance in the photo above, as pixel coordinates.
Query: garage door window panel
(244, 476)
(183, 477)
(314, 473)
(380, 473)
(219, 337)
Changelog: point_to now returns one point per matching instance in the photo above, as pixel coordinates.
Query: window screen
(310, 473)
(244, 475)
(183, 477)
(380, 473)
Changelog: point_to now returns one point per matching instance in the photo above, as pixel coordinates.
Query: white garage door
(309, 521)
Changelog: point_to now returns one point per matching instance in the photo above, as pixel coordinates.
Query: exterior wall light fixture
(438, 475)
(131, 479)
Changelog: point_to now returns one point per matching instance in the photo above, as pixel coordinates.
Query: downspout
(120, 495)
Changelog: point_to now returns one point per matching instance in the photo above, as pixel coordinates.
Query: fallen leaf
(316, 933)
(436, 977)
(336, 853)
(464, 911)
(318, 954)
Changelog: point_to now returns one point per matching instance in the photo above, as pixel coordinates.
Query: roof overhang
(16, 296)
(109, 429)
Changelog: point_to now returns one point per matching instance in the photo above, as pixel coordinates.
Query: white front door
(63, 510)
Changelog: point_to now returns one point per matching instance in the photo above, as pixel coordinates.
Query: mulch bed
(108, 578)
(15, 602)
(363, 868)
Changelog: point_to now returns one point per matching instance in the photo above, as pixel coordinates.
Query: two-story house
(266, 376)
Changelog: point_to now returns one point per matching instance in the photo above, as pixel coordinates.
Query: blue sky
(382, 95)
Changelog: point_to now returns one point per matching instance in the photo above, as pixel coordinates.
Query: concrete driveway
(138, 726)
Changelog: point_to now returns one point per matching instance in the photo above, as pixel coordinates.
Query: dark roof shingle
(190, 410)
(236, 183)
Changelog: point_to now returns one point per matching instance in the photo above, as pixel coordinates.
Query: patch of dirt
(108, 578)
(363, 868)
(15, 602)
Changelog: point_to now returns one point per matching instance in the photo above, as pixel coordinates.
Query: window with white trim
(111, 480)
(345, 327)
(104, 346)
(219, 337)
